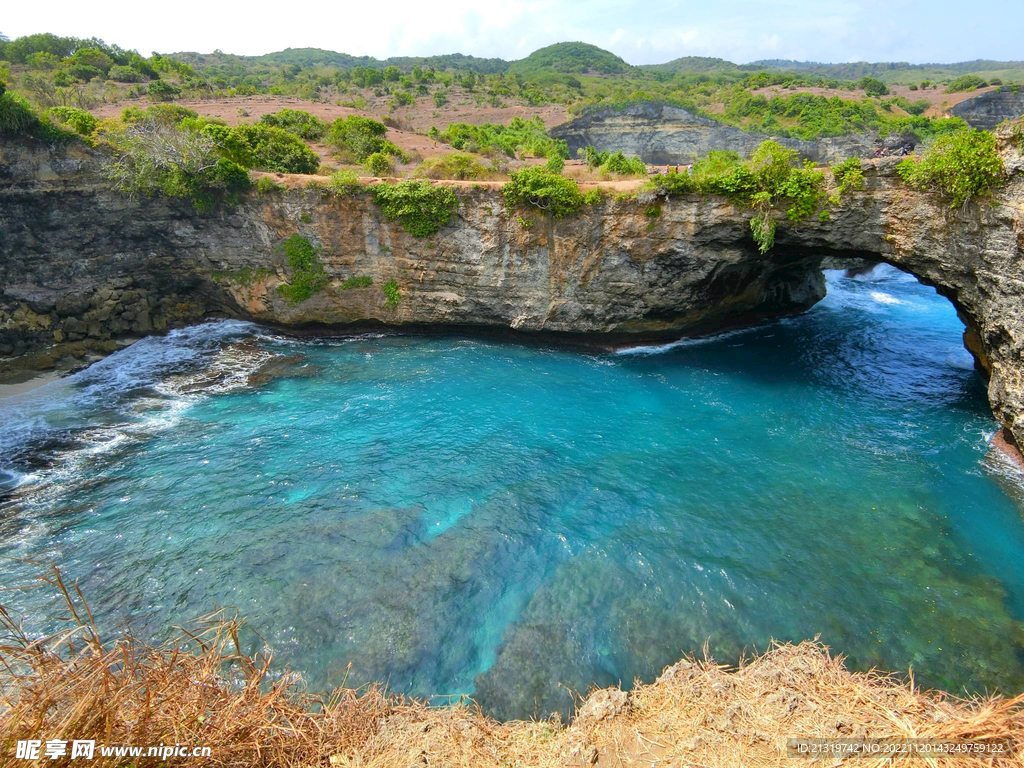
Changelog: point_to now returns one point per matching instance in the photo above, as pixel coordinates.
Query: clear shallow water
(459, 516)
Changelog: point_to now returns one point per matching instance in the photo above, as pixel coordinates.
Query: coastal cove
(469, 516)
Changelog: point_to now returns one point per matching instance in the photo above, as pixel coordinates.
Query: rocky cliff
(81, 264)
(987, 110)
(661, 134)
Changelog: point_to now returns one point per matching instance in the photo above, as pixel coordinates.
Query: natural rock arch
(81, 264)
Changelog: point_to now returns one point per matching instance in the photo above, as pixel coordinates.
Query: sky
(640, 32)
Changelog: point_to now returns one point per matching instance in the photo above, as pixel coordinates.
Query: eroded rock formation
(989, 109)
(80, 263)
(662, 134)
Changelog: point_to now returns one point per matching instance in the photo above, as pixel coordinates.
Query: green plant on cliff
(344, 183)
(420, 207)
(17, 118)
(538, 188)
(848, 175)
(78, 120)
(392, 294)
(961, 166)
(308, 273)
(357, 281)
(265, 148)
(767, 181)
(379, 164)
(152, 157)
(266, 186)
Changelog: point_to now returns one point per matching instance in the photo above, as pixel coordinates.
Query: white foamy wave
(228, 371)
(886, 298)
(149, 360)
(660, 349)
(91, 409)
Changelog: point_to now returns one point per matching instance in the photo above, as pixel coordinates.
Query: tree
(379, 164)
(161, 90)
(872, 86)
(154, 156)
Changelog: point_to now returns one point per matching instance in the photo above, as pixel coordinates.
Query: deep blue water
(516, 522)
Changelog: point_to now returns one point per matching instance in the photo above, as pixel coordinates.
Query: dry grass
(202, 690)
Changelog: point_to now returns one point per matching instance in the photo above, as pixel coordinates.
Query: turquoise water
(458, 516)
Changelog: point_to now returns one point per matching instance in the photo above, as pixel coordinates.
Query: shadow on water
(458, 516)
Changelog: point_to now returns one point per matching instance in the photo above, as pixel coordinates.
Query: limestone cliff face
(80, 263)
(989, 109)
(661, 134)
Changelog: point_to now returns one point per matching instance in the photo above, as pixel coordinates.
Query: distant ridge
(583, 58)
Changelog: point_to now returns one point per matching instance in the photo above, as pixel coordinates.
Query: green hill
(318, 57)
(892, 71)
(695, 64)
(570, 58)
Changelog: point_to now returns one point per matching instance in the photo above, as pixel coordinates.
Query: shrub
(344, 183)
(848, 175)
(763, 182)
(555, 164)
(168, 114)
(670, 184)
(72, 73)
(965, 83)
(519, 137)
(122, 74)
(440, 99)
(161, 90)
(302, 124)
(392, 294)
(266, 185)
(267, 148)
(308, 274)
(17, 118)
(457, 165)
(155, 157)
(78, 120)
(355, 138)
(619, 164)
(357, 281)
(872, 87)
(593, 157)
(420, 207)
(546, 191)
(42, 60)
(379, 164)
(915, 107)
(961, 165)
(595, 196)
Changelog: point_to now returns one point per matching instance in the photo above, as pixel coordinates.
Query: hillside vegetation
(784, 98)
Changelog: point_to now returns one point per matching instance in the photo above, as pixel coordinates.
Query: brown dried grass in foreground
(202, 690)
